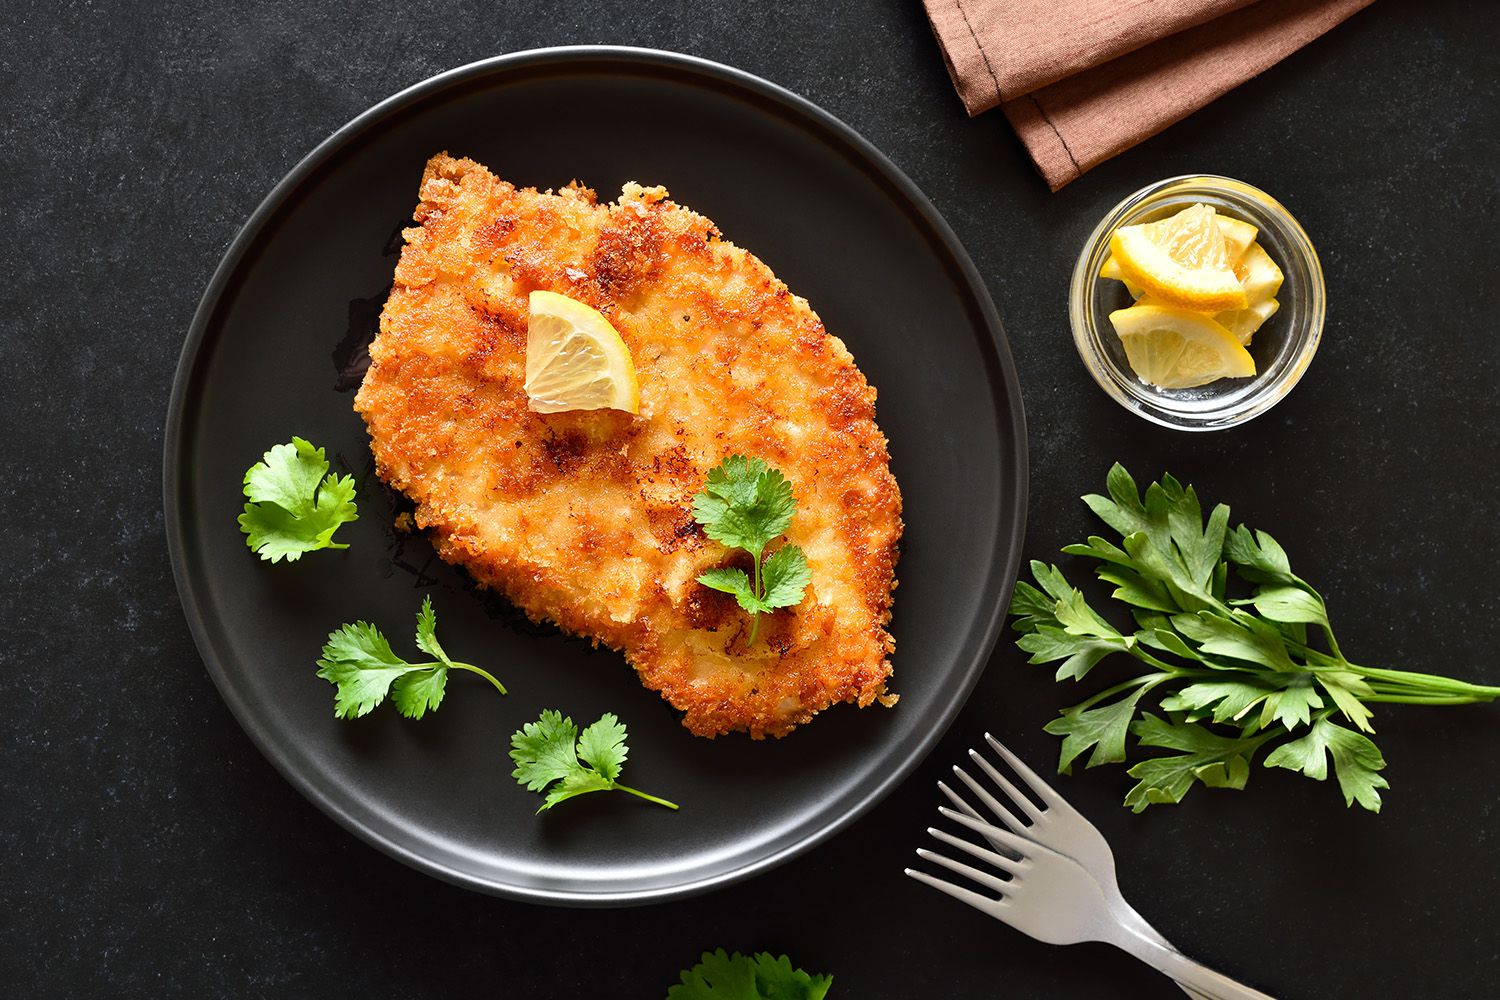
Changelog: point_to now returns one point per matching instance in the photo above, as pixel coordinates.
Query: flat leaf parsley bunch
(1233, 674)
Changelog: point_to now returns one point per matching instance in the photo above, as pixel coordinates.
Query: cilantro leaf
(417, 692)
(720, 976)
(736, 582)
(358, 660)
(785, 576)
(602, 746)
(551, 751)
(289, 513)
(746, 504)
(543, 750)
(426, 638)
(1233, 672)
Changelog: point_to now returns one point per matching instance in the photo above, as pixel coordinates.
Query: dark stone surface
(148, 848)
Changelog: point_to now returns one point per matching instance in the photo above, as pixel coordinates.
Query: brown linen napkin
(1083, 80)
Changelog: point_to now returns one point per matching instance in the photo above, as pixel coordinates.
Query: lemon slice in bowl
(1259, 276)
(1177, 348)
(575, 360)
(1111, 269)
(1244, 322)
(1180, 261)
(1237, 236)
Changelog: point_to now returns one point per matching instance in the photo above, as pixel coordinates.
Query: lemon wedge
(1181, 261)
(575, 360)
(1260, 278)
(1111, 269)
(1177, 348)
(1244, 322)
(1237, 236)
(1237, 239)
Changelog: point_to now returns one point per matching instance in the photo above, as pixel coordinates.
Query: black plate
(269, 354)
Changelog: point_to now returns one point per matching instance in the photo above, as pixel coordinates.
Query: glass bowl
(1282, 348)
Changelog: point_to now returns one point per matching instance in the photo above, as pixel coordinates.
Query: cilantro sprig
(360, 663)
(720, 976)
(746, 504)
(293, 508)
(1229, 638)
(551, 751)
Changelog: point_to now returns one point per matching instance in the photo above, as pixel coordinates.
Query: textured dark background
(146, 848)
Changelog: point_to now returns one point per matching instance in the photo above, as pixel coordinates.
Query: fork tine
(983, 878)
(1033, 781)
(958, 801)
(962, 806)
(1027, 806)
(980, 902)
(1015, 842)
(1006, 816)
(1000, 861)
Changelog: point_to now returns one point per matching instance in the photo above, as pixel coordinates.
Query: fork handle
(1189, 974)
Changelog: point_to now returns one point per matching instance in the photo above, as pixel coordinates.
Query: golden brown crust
(583, 518)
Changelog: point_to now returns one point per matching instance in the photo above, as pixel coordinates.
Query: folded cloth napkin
(1083, 80)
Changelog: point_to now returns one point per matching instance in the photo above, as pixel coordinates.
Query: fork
(1058, 826)
(1062, 887)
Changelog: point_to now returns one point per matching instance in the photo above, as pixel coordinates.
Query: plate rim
(249, 234)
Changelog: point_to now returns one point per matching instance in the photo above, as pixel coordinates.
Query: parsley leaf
(289, 513)
(720, 976)
(1230, 700)
(1217, 761)
(551, 751)
(1104, 729)
(1355, 760)
(361, 665)
(1232, 671)
(746, 504)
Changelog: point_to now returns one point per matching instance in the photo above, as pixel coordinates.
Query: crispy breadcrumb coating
(583, 518)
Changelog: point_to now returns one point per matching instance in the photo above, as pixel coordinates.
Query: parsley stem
(480, 671)
(1316, 658)
(1333, 644)
(1425, 699)
(1149, 680)
(1145, 657)
(648, 798)
(1429, 682)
